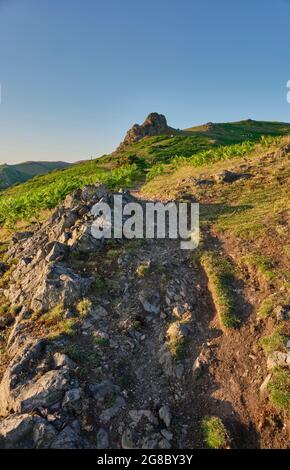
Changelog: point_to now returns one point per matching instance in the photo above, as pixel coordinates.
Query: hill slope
(21, 172)
(132, 161)
(137, 343)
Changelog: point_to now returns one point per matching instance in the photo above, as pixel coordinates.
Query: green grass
(221, 277)
(214, 433)
(279, 388)
(101, 341)
(83, 307)
(45, 192)
(276, 341)
(126, 167)
(176, 342)
(266, 308)
(264, 265)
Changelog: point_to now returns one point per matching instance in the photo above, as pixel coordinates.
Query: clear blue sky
(76, 74)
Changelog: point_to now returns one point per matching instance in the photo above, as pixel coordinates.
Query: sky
(75, 75)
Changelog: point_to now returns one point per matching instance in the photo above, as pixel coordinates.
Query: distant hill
(21, 172)
(155, 146)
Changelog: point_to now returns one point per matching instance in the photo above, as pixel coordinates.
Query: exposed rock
(25, 431)
(20, 236)
(226, 176)
(15, 431)
(166, 361)
(199, 365)
(282, 312)
(18, 373)
(276, 358)
(109, 413)
(166, 434)
(150, 301)
(137, 415)
(165, 415)
(46, 391)
(164, 444)
(72, 399)
(62, 360)
(102, 439)
(154, 124)
(264, 386)
(104, 390)
(179, 371)
(68, 438)
(43, 433)
(128, 440)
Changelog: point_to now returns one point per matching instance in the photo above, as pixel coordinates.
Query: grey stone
(62, 360)
(166, 434)
(179, 371)
(102, 439)
(264, 385)
(15, 431)
(68, 438)
(276, 358)
(165, 415)
(226, 176)
(150, 301)
(44, 392)
(109, 413)
(164, 444)
(127, 441)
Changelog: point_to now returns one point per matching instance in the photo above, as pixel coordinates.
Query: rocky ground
(118, 345)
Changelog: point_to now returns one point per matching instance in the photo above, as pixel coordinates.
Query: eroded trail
(139, 358)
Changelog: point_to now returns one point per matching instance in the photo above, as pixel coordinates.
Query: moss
(214, 433)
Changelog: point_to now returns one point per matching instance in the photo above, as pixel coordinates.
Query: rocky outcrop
(43, 277)
(154, 124)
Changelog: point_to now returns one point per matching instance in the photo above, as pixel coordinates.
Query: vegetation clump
(274, 342)
(221, 277)
(279, 388)
(214, 433)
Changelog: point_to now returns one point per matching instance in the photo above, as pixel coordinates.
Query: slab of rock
(276, 358)
(102, 439)
(165, 415)
(150, 301)
(25, 431)
(46, 391)
(68, 438)
(226, 176)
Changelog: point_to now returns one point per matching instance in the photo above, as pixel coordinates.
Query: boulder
(226, 176)
(150, 301)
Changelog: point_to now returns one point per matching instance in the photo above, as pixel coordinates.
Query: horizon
(74, 80)
(99, 156)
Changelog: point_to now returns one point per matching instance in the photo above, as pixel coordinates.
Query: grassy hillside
(190, 141)
(21, 172)
(149, 157)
